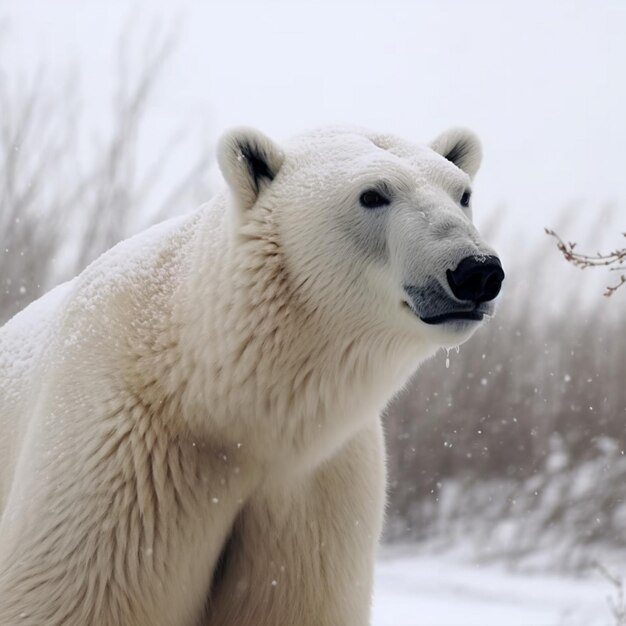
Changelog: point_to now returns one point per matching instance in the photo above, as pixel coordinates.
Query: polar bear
(191, 428)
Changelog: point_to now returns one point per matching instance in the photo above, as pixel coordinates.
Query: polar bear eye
(465, 198)
(373, 199)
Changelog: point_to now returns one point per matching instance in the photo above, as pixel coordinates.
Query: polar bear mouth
(475, 315)
(432, 305)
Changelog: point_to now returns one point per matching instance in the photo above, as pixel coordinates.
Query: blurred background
(507, 454)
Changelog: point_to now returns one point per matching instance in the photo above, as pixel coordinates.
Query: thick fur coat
(190, 429)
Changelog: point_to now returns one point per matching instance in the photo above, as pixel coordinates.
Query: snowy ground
(445, 590)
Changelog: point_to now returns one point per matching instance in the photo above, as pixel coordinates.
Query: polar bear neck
(259, 365)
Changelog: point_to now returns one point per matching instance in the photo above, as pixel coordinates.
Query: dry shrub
(65, 199)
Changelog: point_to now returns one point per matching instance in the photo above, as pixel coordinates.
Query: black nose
(476, 278)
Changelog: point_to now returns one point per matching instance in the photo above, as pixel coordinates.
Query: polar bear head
(375, 231)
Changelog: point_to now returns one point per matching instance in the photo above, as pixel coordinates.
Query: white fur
(213, 387)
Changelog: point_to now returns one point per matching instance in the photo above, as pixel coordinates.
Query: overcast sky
(543, 83)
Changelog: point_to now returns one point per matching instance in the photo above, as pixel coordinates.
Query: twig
(614, 258)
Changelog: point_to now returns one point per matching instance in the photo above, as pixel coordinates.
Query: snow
(29, 334)
(445, 589)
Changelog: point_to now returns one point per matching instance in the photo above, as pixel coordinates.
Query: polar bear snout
(477, 279)
(466, 299)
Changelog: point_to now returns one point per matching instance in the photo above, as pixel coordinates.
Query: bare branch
(62, 205)
(614, 258)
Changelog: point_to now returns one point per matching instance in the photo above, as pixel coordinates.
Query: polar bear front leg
(303, 554)
(122, 530)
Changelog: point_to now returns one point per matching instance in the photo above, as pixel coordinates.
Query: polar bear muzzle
(475, 283)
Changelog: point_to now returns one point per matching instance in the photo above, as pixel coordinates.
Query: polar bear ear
(462, 147)
(249, 160)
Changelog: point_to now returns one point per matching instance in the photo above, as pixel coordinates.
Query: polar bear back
(30, 346)
(23, 341)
